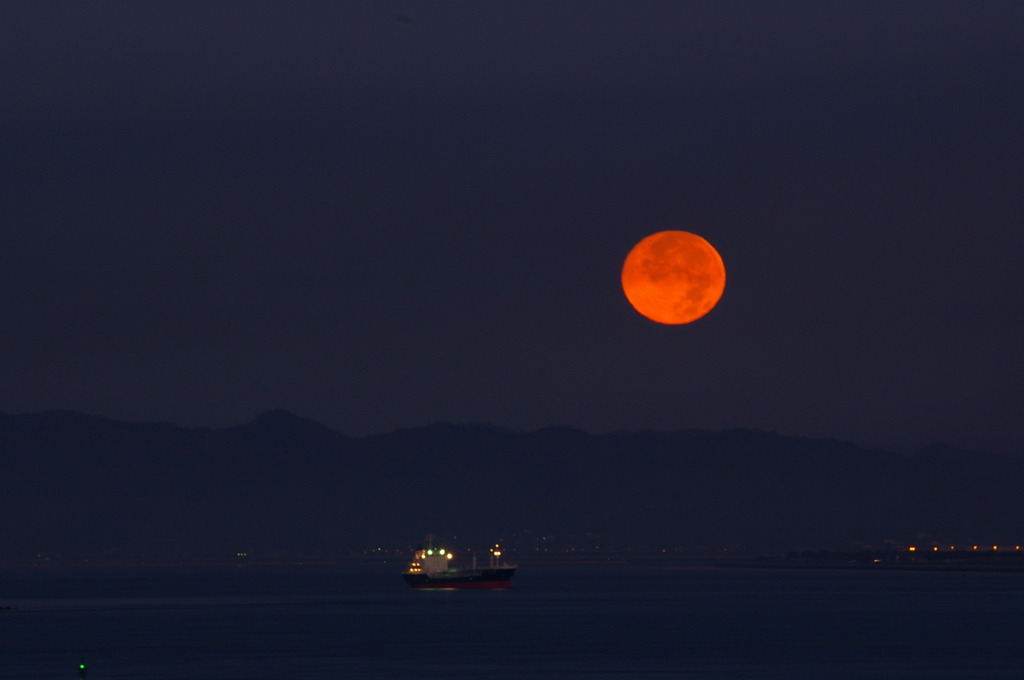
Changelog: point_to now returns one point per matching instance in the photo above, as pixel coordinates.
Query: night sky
(388, 214)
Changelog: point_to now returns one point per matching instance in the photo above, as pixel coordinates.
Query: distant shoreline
(384, 561)
(971, 560)
(1009, 560)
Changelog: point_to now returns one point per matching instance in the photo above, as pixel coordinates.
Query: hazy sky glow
(388, 214)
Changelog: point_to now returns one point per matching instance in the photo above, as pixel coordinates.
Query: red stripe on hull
(465, 585)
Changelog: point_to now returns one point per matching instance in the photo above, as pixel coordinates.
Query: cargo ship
(432, 568)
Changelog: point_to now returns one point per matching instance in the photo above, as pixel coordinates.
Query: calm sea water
(607, 622)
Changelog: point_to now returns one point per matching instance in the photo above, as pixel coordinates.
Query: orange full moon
(673, 277)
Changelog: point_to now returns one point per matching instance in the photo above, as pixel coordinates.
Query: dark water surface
(583, 621)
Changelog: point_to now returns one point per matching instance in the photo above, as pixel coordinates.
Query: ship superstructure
(432, 568)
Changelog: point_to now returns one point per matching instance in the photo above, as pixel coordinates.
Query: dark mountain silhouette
(77, 486)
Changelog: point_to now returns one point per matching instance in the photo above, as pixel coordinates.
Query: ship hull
(499, 578)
